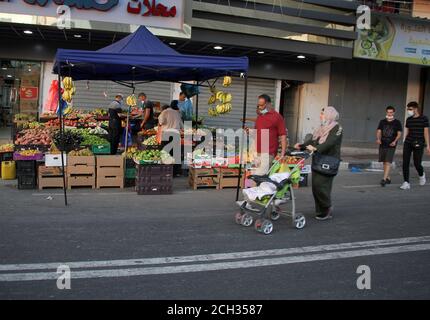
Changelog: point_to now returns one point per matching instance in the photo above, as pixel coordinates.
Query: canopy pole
(243, 135)
(197, 109)
(60, 109)
(128, 112)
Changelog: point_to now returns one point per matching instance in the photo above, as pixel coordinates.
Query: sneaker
(405, 186)
(423, 180)
(325, 216)
(383, 182)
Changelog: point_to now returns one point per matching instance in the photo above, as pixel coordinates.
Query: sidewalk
(365, 156)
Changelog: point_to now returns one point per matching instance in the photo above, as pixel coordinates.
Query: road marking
(217, 256)
(114, 273)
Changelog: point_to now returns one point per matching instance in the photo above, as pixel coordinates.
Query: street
(119, 245)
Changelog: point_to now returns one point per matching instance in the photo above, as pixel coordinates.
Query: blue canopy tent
(142, 57)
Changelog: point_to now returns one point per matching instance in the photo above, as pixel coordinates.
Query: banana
(131, 100)
(219, 108)
(212, 99)
(227, 98)
(227, 81)
(67, 110)
(68, 83)
(67, 96)
(219, 95)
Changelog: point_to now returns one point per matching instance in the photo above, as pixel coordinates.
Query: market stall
(142, 57)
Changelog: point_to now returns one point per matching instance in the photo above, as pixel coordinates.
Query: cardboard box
(54, 160)
(46, 171)
(110, 172)
(81, 161)
(230, 182)
(104, 182)
(110, 161)
(51, 182)
(81, 181)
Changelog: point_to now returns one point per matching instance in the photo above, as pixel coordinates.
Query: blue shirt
(186, 109)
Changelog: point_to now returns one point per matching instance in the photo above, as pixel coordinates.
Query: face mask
(323, 122)
(411, 113)
(389, 117)
(264, 111)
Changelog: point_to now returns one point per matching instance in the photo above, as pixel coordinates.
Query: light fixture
(28, 32)
(218, 48)
(301, 57)
(260, 52)
(172, 43)
(77, 36)
(4, 68)
(9, 76)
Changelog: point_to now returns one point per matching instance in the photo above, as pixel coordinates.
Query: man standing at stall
(115, 127)
(148, 112)
(271, 122)
(185, 107)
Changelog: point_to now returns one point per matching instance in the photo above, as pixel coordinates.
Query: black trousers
(321, 189)
(408, 150)
(114, 139)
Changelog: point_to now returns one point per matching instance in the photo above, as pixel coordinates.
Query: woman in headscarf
(326, 140)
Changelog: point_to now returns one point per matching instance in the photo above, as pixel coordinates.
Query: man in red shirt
(271, 129)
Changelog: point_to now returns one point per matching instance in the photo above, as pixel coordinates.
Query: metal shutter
(256, 87)
(89, 95)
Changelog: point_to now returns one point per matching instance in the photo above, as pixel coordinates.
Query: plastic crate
(25, 167)
(154, 169)
(163, 180)
(130, 173)
(154, 190)
(128, 183)
(27, 182)
(101, 149)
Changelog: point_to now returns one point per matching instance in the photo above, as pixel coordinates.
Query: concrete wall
(314, 96)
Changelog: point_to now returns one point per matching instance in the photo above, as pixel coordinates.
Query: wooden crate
(50, 177)
(203, 182)
(110, 172)
(230, 182)
(81, 161)
(81, 181)
(204, 172)
(81, 166)
(110, 161)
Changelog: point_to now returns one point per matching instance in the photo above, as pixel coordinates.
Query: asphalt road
(119, 245)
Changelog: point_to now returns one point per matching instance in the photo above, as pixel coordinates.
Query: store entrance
(290, 108)
(19, 93)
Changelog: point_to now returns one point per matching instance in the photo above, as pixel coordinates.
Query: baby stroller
(273, 190)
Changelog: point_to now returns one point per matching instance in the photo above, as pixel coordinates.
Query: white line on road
(216, 256)
(114, 273)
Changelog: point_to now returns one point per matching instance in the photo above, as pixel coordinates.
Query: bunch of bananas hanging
(131, 100)
(224, 99)
(69, 89)
(227, 81)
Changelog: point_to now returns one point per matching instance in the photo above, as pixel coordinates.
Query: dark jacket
(331, 146)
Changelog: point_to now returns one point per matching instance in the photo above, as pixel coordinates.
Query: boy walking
(387, 135)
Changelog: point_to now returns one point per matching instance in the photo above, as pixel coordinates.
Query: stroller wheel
(275, 215)
(299, 221)
(264, 226)
(246, 220)
(238, 217)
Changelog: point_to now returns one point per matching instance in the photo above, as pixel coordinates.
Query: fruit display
(71, 139)
(131, 151)
(7, 147)
(226, 81)
(149, 132)
(99, 112)
(41, 136)
(29, 153)
(151, 141)
(24, 117)
(131, 100)
(81, 153)
(91, 140)
(97, 130)
(147, 156)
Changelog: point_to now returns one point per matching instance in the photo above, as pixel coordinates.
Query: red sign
(29, 93)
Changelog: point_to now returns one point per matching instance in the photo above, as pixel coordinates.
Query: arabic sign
(395, 40)
(29, 93)
(153, 13)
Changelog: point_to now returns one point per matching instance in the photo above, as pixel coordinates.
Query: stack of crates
(154, 179)
(110, 171)
(51, 177)
(81, 172)
(26, 171)
(130, 173)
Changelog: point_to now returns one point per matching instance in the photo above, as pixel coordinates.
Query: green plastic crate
(101, 149)
(130, 173)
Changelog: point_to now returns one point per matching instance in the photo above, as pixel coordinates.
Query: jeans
(409, 149)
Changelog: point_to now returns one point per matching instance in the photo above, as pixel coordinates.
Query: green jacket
(331, 146)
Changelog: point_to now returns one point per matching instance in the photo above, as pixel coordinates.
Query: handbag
(325, 165)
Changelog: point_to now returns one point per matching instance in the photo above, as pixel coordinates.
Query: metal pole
(243, 129)
(197, 109)
(62, 136)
